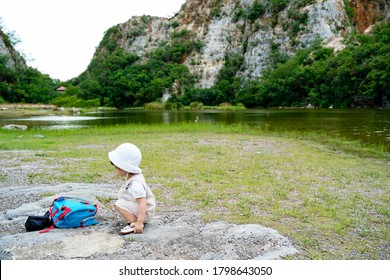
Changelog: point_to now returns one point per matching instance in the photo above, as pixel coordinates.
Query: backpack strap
(47, 229)
(86, 219)
(63, 214)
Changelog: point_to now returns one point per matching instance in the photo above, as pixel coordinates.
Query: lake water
(371, 126)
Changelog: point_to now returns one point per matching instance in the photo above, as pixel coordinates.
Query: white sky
(59, 37)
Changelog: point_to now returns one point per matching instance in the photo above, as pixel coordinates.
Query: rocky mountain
(13, 57)
(255, 29)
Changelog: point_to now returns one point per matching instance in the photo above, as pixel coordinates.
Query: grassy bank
(330, 196)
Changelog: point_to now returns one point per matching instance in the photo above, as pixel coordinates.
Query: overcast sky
(59, 37)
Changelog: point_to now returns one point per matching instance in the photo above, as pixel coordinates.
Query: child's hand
(139, 227)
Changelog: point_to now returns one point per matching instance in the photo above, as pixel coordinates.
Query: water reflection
(371, 126)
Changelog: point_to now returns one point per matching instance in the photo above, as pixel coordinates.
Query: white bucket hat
(127, 157)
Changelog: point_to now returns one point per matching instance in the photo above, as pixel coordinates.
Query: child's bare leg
(130, 218)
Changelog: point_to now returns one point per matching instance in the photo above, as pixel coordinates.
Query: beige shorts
(131, 207)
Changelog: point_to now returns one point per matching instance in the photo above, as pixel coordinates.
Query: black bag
(38, 222)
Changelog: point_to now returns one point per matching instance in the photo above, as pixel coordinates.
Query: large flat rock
(173, 234)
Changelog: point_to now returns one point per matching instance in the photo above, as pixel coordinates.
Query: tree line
(357, 76)
(19, 83)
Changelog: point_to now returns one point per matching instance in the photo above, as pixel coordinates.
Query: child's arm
(139, 224)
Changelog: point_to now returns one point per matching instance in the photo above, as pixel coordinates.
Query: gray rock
(15, 127)
(172, 234)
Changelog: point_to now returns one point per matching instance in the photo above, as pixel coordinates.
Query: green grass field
(330, 196)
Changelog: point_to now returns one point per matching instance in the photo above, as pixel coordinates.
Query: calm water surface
(371, 126)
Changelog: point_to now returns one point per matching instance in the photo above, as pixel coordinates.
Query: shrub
(173, 106)
(196, 106)
(154, 106)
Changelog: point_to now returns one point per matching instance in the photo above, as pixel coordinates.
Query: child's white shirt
(137, 190)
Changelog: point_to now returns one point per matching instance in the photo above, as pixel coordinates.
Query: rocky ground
(175, 233)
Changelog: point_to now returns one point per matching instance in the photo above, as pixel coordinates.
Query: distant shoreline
(27, 106)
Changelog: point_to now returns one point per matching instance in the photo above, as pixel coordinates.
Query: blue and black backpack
(71, 212)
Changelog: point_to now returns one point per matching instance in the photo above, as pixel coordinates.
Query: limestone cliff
(12, 57)
(252, 29)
